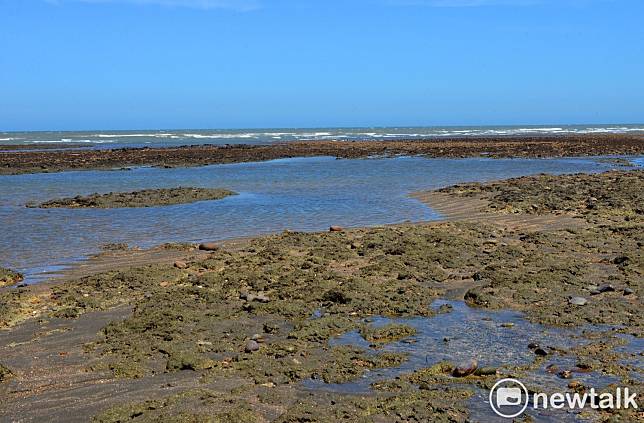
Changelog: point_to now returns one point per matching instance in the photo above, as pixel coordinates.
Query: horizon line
(325, 127)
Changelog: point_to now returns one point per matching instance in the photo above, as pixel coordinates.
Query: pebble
(507, 325)
(208, 246)
(565, 374)
(606, 288)
(335, 229)
(533, 345)
(628, 291)
(251, 346)
(620, 259)
(578, 301)
(574, 384)
(180, 264)
(257, 338)
(541, 352)
(465, 369)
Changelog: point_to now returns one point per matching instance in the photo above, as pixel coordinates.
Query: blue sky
(134, 64)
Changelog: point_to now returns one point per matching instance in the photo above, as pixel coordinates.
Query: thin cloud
(240, 5)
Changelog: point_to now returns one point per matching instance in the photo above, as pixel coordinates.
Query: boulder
(465, 369)
(208, 246)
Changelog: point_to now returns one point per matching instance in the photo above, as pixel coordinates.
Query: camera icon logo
(508, 398)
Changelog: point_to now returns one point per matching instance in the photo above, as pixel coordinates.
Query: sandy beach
(254, 330)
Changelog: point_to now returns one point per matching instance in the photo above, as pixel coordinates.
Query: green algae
(144, 198)
(8, 277)
(609, 194)
(387, 333)
(205, 405)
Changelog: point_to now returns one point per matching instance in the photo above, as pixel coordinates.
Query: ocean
(161, 138)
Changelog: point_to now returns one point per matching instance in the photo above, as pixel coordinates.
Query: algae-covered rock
(349, 363)
(387, 333)
(9, 277)
(609, 194)
(144, 198)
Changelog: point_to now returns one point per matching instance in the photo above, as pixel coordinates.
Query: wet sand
(238, 334)
(15, 162)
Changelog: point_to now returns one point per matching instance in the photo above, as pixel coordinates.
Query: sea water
(304, 194)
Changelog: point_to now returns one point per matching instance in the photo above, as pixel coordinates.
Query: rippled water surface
(298, 194)
(165, 138)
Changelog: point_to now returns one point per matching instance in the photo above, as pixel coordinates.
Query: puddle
(494, 338)
(633, 353)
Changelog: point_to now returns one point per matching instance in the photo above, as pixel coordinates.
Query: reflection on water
(299, 194)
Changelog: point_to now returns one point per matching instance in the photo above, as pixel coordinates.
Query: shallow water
(467, 333)
(299, 194)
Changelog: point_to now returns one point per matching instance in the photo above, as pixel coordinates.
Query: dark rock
(628, 291)
(208, 246)
(586, 367)
(540, 352)
(465, 369)
(606, 288)
(621, 260)
(565, 374)
(533, 345)
(336, 296)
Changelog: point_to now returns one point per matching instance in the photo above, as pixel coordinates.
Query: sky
(164, 64)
